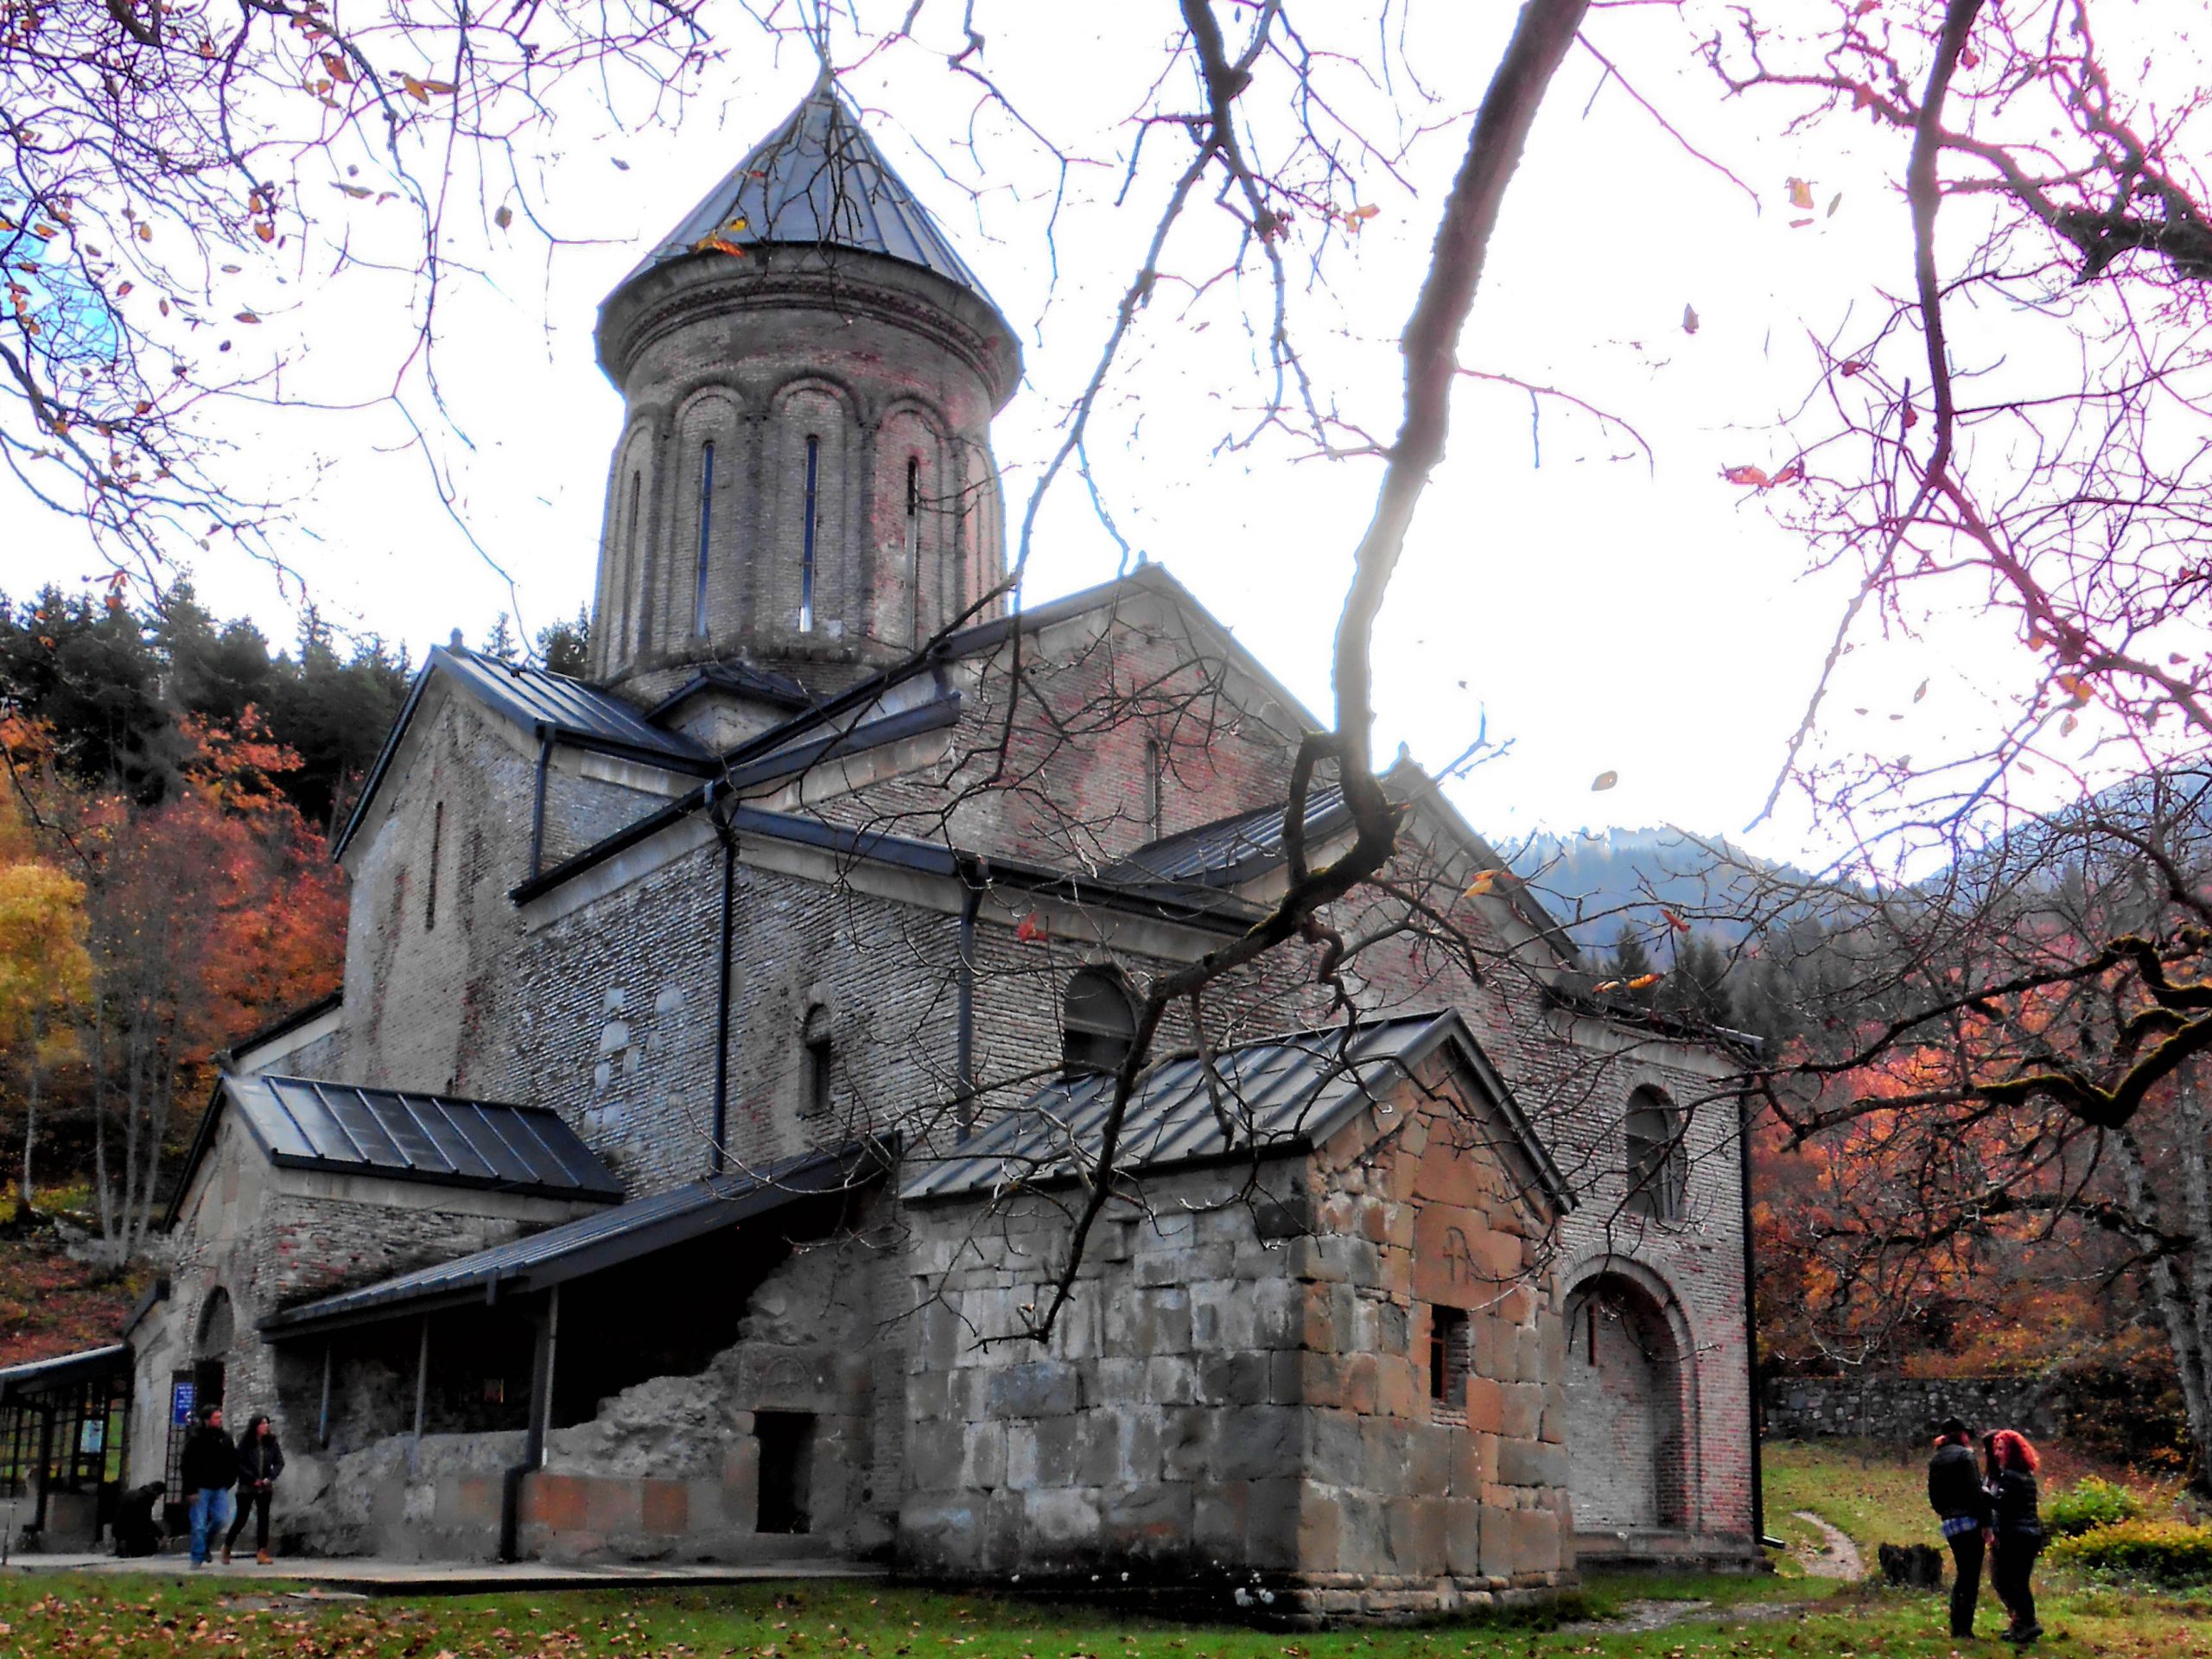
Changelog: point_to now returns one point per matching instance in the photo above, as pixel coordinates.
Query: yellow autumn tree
(45, 973)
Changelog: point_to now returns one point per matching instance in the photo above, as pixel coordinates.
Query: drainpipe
(1750, 1322)
(971, 901)
(538, 804)
(722, 807)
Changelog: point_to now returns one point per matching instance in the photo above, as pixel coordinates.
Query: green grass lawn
(1871, 1493)
(1750, 1617)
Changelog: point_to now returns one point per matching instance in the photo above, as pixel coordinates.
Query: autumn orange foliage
(211, 913)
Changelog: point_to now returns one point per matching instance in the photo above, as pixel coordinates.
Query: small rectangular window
(806, 531)
(706, 535)
(1155, 782)
(437, 840)
(1449, 1358)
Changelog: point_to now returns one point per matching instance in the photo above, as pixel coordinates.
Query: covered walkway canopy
(590, 1244)
(61, 1438)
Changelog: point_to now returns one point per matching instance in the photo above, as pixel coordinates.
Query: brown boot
(262, 1555)
(226, 1554)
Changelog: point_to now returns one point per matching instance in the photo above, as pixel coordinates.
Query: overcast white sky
(1602, 615)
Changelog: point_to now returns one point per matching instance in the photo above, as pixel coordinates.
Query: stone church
(718, 1090)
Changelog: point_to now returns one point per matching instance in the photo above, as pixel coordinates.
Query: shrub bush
(2091, 1504)
(2165, 1552)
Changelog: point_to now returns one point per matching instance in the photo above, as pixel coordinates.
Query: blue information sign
(180, 1403)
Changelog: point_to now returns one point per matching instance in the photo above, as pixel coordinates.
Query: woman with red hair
(2018, 1529)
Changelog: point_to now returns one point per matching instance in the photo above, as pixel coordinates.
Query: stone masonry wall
(666, 1469)
(270, 1238)
(1238, 1394)
(1904, 1410)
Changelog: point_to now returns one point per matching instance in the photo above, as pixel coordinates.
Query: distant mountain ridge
(1595, 882)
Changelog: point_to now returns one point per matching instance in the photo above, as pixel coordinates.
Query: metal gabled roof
(590, 1244)
(1281, 1094)
(533, 696)
(1230, 851)
(565, 710)
(817, 180)
(341, 1129)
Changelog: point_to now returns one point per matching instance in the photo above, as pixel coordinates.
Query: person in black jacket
(2018, 1528)
(260, 1461)
(1955, 1493)
(211, 1469)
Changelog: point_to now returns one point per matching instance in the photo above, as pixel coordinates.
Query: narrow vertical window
(437, 839)
(914, 545)
(1156, 768)
(914, 541)
(706, 535)
(817, 1060)
(1449, 1353)
(806, 531)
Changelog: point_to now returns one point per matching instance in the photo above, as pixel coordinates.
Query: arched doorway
(1627, 1410)
(211, 1348)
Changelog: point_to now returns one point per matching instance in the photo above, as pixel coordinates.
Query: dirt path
(1837, 1556)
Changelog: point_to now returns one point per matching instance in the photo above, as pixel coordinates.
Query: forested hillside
(166, 886)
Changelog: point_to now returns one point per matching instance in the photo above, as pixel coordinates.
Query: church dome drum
(804, 477)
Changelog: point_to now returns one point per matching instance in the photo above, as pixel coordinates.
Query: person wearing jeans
(1955, 1493)
(211, 1469)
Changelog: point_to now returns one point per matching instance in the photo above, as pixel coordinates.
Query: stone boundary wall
(1905, 1409)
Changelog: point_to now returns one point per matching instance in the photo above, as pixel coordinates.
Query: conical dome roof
(817, 180)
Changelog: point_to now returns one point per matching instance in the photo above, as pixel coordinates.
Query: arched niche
(619, 613)
(1631, 1404)
(982, 538)
(218, 1326)
(914, 526)
(807, 582)
(705, 596)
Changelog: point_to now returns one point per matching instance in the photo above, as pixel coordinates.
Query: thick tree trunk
(2177, 1286)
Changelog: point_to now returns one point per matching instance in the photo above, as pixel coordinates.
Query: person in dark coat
(211, 1469)
(2018, 1528)
(1956, 1494)
(260, 1461)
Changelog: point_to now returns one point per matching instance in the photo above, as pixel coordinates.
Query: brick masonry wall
(880, 364)
(422, 969)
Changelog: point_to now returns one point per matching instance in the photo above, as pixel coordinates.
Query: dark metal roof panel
(35, 1373)
(1283, 1092)
(344, 1129)
(531, 696)
(818, 181)
(1232, 850)
(592, 1243)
